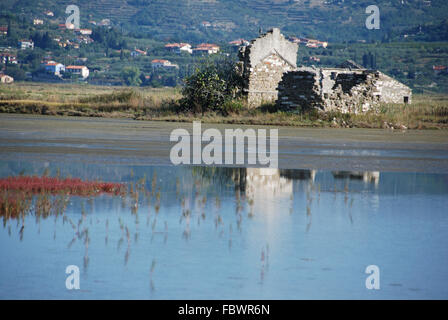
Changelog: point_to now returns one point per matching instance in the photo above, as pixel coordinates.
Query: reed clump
(49, 194)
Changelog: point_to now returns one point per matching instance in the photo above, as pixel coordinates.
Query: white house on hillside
(160, 63)
(6, 79)
(179, 47)
(82, 71)
(206, 48)
(26, 44)
(6, 57)
(85, 32)
(137, 53)
(53, 67)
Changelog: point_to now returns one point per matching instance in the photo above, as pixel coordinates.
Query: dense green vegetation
(213, 87)
(412, 38)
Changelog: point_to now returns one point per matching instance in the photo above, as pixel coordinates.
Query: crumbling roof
(350, 64)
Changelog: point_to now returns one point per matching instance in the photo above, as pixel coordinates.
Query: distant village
(157, 62)
(53, 69)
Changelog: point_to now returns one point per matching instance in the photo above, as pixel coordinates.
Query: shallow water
(227, 233)
(317, 231)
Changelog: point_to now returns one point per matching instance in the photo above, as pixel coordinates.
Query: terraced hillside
(116, 10)
(333, 20)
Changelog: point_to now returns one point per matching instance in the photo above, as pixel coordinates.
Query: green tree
(11, 33)
(131, 76)
(16, 72)
(211, 86)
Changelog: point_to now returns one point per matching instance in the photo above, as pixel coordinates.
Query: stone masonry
(264, 61)
(339, 89)
(269, 68)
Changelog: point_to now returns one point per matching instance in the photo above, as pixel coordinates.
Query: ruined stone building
(264, 61)
(339, 89)
(271, 75)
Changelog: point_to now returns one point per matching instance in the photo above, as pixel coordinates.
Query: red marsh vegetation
(16, 193)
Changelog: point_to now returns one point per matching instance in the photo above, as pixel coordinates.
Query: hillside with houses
(115, 45)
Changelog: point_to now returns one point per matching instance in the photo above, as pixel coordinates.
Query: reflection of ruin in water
(271, 189)
(267, 188)
(267, 183)
(366, 176)
(295, 174)
(185, 217)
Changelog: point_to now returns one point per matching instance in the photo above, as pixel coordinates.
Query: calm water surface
(224, 233)
(229, 233)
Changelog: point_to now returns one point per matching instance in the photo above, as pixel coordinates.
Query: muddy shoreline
(121, 141)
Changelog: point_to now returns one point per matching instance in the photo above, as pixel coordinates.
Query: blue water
(217, 233)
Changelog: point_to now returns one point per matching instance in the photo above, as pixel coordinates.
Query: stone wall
(339, 89)
(392, 91)
(263, 63)
(269, 68)
(299, 90)
(349, 91)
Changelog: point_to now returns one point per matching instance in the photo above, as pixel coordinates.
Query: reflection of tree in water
(296, 174)
(191, 197)
(220, 176)
(366, 176)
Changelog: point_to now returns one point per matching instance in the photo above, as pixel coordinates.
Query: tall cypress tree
(10, 30)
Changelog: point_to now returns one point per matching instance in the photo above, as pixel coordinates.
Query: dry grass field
(425, 112)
